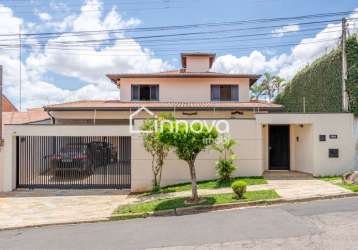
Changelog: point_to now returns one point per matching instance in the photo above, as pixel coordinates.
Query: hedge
(319, 85)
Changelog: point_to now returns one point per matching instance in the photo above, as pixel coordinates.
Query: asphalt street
(326, 224)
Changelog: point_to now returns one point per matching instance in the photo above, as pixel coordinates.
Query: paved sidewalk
(296, 185)
(29, 208)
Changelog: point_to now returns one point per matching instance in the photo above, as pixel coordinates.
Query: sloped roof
(30, 116)
(121, 105)
(7, 106)
(182, 73)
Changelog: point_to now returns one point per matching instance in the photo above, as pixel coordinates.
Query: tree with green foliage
(257, 91)
(269, 87)
(225, 165)
(188, 142)
(157, 149)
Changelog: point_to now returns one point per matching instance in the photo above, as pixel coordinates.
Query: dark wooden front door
(279, 147)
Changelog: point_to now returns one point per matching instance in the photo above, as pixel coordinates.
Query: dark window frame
(136, 94)
(217, 92)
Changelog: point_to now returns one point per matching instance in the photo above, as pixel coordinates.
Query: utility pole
(20, 69)
(1, 107)
(344, 66)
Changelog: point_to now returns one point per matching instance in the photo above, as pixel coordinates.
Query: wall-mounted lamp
(301, 125)
(264, 126)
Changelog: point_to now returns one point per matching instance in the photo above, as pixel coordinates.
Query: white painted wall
(310, 155)
(197, 63)
(249, 163)
(302, 148)
(355, 136)
(185, 89)
(245, 131)
(1, 165)
(316, 157)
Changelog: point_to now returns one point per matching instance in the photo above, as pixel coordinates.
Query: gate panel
(73, 162)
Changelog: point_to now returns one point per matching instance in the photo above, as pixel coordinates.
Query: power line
(262, 46)
(100, 41)
(160, 28)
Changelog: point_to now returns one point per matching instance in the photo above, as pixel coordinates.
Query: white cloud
(89, 63)
(280, 32)
(287, 65)
(44, 16)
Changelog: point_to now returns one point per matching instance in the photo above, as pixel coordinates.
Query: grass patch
(337, 180)
(211, 184)
(171, 203)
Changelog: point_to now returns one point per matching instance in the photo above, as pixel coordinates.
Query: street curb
(209, 208)
(192, 210)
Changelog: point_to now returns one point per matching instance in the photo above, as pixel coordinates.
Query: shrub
(225, 165)
(224, 169)
(239, 188)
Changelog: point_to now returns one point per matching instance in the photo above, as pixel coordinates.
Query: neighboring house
(7, 106)
(268, 139)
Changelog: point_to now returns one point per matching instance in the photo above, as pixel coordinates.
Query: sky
(69, 46)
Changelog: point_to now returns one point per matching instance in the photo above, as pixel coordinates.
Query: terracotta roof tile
(32, 115)
(7, 106)
(115, 104)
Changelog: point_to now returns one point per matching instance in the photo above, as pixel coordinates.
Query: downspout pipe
(51, 116)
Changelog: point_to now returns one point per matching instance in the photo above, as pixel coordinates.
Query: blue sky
(51, 74)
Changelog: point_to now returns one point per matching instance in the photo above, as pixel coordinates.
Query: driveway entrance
(41, 207)
(78, 162)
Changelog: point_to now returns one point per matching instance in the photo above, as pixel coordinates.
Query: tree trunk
(194, 189)
(155, 174)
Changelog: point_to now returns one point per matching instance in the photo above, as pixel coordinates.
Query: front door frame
(288, 167)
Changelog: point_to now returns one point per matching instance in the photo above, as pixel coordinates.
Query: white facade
(307, 154)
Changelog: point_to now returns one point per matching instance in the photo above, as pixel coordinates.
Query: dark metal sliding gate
(73, 162)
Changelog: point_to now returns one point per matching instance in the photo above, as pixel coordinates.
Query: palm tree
(267, 83)
(279, 84)
(257, 90)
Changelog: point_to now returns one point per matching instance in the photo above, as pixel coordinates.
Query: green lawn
(212, 184)
(163, 204)
(337, 180)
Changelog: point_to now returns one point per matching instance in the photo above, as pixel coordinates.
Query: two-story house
(268, 138)
(194, 91)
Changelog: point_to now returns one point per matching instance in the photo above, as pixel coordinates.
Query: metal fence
(73, 162)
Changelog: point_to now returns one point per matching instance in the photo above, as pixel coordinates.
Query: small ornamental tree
(225, 164)
(188, 142)
(157, 149)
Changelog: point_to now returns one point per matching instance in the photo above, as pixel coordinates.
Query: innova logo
(132, 117)
(194, 126)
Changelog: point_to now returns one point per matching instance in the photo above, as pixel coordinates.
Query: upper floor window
(224, 92)
(145, 92)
